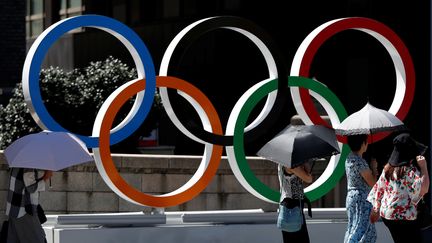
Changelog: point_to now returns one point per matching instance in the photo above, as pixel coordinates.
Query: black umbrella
(298, 144)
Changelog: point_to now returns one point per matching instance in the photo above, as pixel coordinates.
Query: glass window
(232, 4)
(151, 10)
(36, 6)
(189, 7)
(36, 26)
(74, 14)
(28, 33)
(28, 7)
(63, 4)
(69, 8)
(34, 17)
(135, 13)
(75, 3)
(119, 10)
(171, 8)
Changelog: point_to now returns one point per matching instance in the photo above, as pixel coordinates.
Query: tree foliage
(73, 99)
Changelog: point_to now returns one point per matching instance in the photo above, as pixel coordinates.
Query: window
(232, 4)
(119, 10)
(34, 18)
(171, 8)
(69, 8)
(189, 7)
(135, 12)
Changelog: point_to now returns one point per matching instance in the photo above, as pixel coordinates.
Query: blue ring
(92, 21)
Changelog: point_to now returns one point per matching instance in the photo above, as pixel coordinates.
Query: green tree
(73, 99)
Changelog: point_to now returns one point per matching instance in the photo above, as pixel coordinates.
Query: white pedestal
(248, 226)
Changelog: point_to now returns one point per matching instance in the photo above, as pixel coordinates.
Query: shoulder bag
(290, 219)
(41, 214)
(424, 220)
(4, 231)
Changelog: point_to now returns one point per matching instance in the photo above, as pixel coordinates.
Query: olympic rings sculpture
(275, 89)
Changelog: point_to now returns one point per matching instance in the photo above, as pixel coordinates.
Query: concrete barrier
(228, 226)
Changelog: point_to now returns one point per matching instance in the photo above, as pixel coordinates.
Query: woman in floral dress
(400, 187)
(360, 179)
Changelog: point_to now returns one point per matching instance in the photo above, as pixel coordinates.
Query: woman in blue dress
(360, 180)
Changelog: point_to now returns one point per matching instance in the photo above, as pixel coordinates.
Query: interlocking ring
(209, 163)
(237, 157)
(404, 67)
(272, 56)
(211, 135)
(141, 56)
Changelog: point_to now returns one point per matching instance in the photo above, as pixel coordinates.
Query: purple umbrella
(47, 151)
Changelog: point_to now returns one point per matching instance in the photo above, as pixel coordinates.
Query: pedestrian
(360, 179)
(22, 202)
(402, 184)
(292, 195)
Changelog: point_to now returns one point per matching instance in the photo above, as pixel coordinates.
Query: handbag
(4, 231)
(424, 220)
(41, 214)
(290, 219)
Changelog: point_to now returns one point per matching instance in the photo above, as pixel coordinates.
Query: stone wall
(80, 189)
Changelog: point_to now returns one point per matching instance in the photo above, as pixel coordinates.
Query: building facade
(352, 64)
(12, 45)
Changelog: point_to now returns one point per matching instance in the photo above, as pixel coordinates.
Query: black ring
(282, 89)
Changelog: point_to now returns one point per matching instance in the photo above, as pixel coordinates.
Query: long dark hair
(399, 171)
(389, 171)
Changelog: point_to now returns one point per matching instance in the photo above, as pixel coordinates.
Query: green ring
(238, 142)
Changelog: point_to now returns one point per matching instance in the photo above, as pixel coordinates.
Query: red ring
(358, 23)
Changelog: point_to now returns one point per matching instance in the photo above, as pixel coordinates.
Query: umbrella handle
(311, 168)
